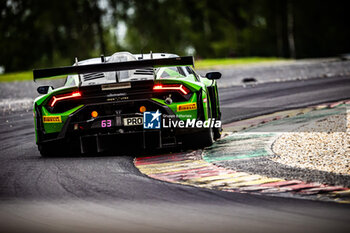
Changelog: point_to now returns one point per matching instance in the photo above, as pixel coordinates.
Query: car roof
(131, 75)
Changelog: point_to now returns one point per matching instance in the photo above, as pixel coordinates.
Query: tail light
(58, 98)
(172, 87)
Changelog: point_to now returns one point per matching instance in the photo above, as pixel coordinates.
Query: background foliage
(37, 33)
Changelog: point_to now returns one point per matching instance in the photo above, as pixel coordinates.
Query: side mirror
(213, 75)
(44, 89)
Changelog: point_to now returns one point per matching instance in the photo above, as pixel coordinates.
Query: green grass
(21, 76)
(219, 62)
(16, 76)
(200, 64)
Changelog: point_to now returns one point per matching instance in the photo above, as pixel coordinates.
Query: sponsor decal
(151, 120)
(186, 107)
(118, 98)
(52, 119)
(191, 123)
(131, 121)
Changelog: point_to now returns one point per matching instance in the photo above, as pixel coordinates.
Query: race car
(154, 100)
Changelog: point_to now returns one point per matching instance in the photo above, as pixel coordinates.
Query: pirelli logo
(52, 119)
(186, 107)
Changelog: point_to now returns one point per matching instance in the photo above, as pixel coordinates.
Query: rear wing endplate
(115, 66)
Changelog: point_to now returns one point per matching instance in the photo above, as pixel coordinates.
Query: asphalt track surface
(107, 193)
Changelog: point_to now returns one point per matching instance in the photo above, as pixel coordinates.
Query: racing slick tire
(217, 133)
(52, 149)
(205, 138)
(45, 150)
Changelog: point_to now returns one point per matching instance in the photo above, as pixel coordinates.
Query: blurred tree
(38, 33)
(158, 26)
(321, 28)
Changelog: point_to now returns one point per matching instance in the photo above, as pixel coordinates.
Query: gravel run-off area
(321, 145)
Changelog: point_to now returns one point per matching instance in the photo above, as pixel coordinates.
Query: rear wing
(115, 66)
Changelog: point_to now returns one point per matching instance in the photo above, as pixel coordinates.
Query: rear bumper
(78, 128)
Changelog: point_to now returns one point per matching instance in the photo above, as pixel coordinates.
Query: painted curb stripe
(333, 105)
(234, 182)
(204, 180)
(195, 172)
(190, 169)
(199, 173)
(322, 190)
(345, 193)
(253, 188)
(282, 183)
(259, 182)
(301, 186)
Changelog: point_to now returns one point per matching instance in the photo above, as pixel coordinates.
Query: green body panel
(41, 99)
(183, 115)
(191, 83)
(53, 127)
(35, 126)
(205, 105)
(57, 127)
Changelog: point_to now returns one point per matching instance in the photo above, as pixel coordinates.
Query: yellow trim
(52, 119)
(186, 107)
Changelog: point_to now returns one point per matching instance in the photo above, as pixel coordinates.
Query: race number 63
(106, 123)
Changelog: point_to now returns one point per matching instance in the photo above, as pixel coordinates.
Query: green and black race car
(151, 101)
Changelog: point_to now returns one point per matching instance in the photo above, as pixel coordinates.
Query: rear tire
(45, 150)
(205, 138)
(51, 149)
(217, 133)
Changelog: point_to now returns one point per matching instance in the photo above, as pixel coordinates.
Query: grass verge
(16, 76)
(220, 62)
